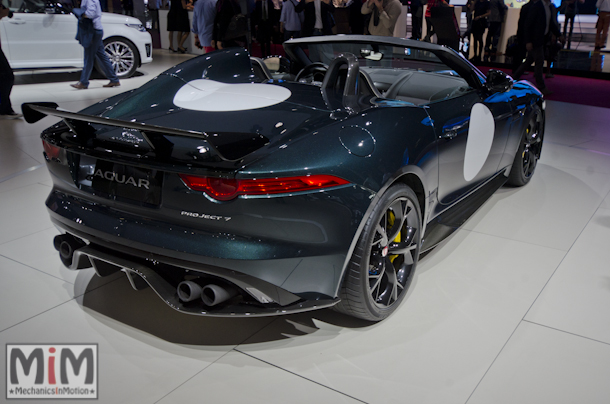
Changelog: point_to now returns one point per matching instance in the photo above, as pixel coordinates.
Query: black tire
(124, 57)
(528, 152)
(383, 263)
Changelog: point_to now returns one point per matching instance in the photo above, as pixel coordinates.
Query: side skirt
(443, 225)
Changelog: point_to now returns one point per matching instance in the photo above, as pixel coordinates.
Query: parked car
(233, 189)
(42, 35)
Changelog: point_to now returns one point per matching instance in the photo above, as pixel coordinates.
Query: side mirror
(498, 82)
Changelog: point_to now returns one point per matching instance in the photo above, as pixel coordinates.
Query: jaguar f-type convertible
(235, 186)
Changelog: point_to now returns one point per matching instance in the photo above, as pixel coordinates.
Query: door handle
(449, 132)
(16, 21)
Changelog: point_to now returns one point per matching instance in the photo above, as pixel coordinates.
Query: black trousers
(7, 79)
(536, 56)
(416, 22)
(569, 19)
(493, 36)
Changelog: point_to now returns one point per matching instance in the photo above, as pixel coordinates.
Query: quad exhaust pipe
(68, 247)
(210, 294)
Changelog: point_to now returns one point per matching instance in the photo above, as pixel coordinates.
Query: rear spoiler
(79, 124)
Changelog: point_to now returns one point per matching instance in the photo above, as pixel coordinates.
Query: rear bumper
(163, 274)
(273, 277)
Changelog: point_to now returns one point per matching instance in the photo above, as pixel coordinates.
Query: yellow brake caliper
(391, 219)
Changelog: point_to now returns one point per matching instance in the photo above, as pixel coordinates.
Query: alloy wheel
(393, 252)
(121, 57)
(532, 146)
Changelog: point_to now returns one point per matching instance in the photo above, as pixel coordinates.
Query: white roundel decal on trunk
(214, 96)
(480, 138)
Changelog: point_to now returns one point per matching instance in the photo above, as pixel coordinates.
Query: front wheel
(124, 56)
(384, 259)
(528, 152)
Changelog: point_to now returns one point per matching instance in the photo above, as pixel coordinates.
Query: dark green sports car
(235, 186)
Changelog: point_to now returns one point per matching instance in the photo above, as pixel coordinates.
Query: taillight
(51, 152)
(224, 189)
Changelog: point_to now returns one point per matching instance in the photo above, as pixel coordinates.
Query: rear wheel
(124, 57)
(384, 260)
(528, 152)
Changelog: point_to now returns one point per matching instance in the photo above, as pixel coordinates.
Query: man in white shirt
(89, 35)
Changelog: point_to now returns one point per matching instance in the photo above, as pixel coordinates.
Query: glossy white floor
(513, 308)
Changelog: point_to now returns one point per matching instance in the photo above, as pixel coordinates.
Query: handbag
(238, 27)
(238, 24)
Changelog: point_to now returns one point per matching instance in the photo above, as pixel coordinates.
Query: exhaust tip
(65, 250)
(67, 245)
(214, 294)
(189, 291)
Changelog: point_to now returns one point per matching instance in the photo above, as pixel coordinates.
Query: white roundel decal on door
(480, 138)
(214, 96)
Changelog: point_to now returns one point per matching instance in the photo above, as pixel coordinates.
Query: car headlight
(139, 27)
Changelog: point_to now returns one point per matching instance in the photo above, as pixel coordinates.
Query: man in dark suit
(538, 23)
(317, 15)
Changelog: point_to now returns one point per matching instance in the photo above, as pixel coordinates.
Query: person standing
(204, 14)
(603, 22)
(469, 10)
(356, 19)
(89, 34)
(496, 19)
(178, 21)
(429, 25)
(154, 6)
(536, 27)
(226, 35)
(290, 20)
(385, 13)
(479, 25)
(569, 8)
(552, 45)
(127, 7)
(7, 79)
(317, 15)
(263, 25)
(417, 12)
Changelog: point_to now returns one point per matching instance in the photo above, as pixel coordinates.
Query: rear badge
(204, 216)
(122, 179)
(129, 136)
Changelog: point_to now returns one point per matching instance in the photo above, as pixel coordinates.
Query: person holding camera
(385, 13)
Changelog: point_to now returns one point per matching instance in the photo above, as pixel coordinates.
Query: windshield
(376, 55)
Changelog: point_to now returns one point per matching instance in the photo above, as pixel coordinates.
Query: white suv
(42, 35)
